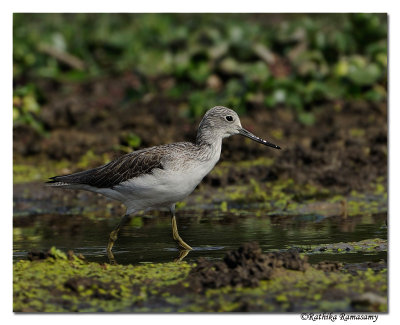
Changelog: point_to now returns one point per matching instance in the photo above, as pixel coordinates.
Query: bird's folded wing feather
(117, 171)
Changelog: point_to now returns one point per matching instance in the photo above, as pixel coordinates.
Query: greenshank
(160, 176)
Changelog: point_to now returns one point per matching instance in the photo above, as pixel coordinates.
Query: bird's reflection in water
(182, 254)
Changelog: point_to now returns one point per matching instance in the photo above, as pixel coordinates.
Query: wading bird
(160, 176)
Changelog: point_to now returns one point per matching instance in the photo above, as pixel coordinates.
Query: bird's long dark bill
(257, 139)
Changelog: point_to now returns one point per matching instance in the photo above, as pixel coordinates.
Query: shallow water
(149, 238)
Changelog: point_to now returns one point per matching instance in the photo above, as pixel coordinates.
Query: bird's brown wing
(117, 171)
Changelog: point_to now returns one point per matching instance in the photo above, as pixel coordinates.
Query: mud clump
(39, 255)
(355, 268)
(245, 266)
(329, 266)
(54, 254)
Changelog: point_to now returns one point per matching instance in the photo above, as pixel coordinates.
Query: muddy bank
(243, 267)
(57, 282)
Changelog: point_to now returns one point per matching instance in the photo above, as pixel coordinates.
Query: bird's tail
(72, 180)
(54, 183)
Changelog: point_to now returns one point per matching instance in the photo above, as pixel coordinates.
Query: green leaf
(307, 118)
(365, 75)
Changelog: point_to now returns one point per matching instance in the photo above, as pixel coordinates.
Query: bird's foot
(111, 241)
(111, 257)
(182, 244)
(182, 255)
(177, 238)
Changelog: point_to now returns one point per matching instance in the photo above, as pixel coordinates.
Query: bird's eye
(229, 118)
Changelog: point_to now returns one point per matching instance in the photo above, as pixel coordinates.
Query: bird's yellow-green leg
(114, 233)
(112, 239)
(175, 233)
(182, 254)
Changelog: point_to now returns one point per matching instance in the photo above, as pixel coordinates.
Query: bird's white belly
(161, 188)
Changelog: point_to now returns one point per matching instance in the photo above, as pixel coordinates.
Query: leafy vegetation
(295, 60)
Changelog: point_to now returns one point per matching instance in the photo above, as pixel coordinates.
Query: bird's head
(223, 122)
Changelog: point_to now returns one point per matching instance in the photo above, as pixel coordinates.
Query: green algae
(90, 159)
(312, 290)
(224, 167)
(288, 197)
(367, 245)
(286, 194)
(29, 171)
(64, 283)
(224, 206)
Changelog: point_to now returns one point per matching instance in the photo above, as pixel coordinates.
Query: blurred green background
(300, 61)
